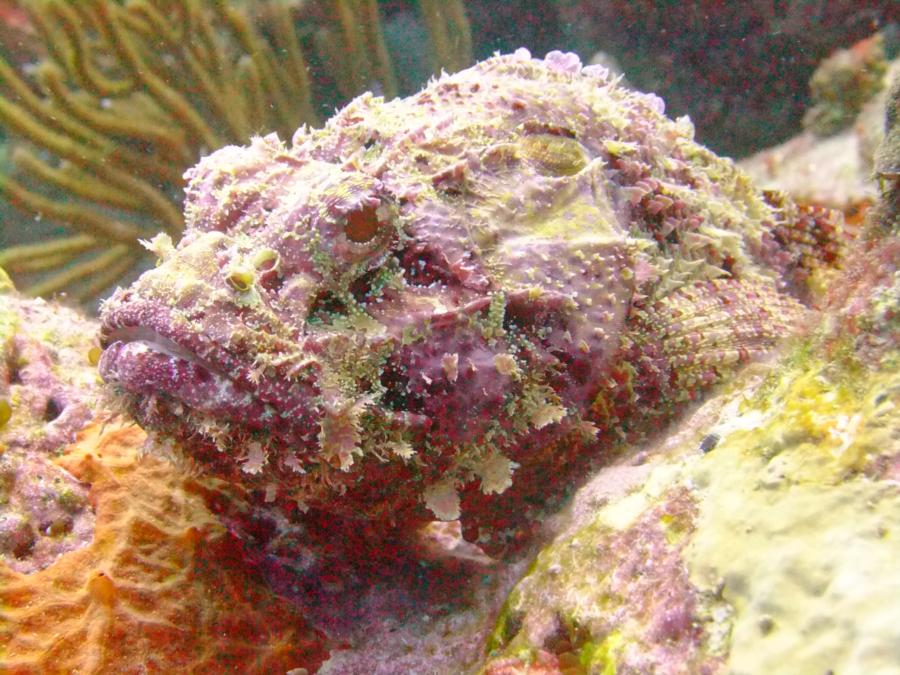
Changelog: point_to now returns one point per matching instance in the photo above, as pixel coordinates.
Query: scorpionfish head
(329, 308)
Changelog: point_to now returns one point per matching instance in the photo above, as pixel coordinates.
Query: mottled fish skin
(433, 299)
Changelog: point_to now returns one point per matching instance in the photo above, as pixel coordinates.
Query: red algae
(48, 392)
(608, 598)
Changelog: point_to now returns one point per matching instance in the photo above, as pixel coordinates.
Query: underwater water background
(740, 70)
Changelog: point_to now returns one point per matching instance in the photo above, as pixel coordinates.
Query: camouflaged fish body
(435, 305)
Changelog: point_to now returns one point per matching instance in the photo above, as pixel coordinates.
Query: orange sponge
(162, 588)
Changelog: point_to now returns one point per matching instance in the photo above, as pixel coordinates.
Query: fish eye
(362, 225)
(239, 278)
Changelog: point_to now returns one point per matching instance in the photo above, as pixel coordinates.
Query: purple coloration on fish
(434, 306)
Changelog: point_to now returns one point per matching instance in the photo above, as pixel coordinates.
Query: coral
(768, 587)
(130, 95)
(444, 305)
(15, 30)
(843, 83)
(161, 587)
(48, 392)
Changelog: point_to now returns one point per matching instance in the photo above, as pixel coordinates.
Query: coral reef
(758, 537)
(383, 272)
(441, 305)
(130, 95)
(161, 586)
(830, 172)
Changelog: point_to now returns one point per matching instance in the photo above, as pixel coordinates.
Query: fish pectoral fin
(706, 328)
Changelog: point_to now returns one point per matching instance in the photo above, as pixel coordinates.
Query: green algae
(70, 501)
(794, 535)
(6, 284)
(507, 624)
(5, 412)
(571, 590)
(599, 658)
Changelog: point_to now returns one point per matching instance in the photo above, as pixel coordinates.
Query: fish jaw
(189, 352)
(144, 364)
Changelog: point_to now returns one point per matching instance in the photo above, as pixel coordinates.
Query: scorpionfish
(436, 307)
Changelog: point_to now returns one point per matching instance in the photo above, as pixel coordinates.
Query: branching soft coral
(129, 95)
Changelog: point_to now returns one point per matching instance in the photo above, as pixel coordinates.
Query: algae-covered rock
(839, 171)
(610, 600)
(843, 83)
(795, 544)
(887, 162)
(48, 392)
(762, 536)
(48, 375)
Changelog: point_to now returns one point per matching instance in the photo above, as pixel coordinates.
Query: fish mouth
(164, 369)
(145, 363)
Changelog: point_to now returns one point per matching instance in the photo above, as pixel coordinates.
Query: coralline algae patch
(44, 512)
(772, 550)
(48, 378)
(607, 601)
(48, 392)
(161, 588)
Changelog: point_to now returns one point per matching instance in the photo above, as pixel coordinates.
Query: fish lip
(144, 354)
(136, 321)
(158, 341)
(288, 417)
(235, 394)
